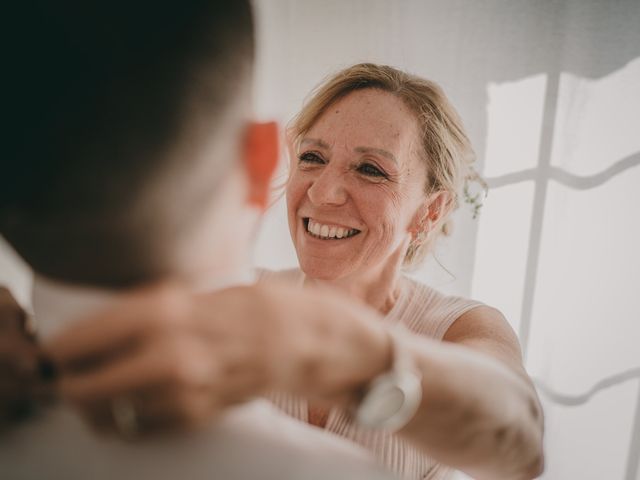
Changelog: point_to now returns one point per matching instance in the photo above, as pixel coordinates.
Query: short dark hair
(99, 93)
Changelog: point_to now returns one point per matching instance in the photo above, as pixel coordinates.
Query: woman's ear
(432, 210)
(440, 204)
(261, 160)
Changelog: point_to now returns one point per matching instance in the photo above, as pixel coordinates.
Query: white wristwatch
(393, 398)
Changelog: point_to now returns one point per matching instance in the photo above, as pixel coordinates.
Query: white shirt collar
(56, 305)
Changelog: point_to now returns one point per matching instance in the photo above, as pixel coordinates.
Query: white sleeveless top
(423, 311)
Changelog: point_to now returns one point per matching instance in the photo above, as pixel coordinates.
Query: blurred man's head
(129, 126)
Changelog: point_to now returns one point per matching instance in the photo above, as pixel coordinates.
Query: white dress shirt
(253, 441)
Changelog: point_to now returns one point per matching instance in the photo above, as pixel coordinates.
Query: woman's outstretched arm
(480, 412)
(181, 359)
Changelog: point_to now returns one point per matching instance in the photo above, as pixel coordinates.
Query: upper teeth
(329, 231)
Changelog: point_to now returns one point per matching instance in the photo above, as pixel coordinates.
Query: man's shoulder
(250, 441)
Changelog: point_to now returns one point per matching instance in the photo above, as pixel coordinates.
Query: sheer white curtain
(550, 93)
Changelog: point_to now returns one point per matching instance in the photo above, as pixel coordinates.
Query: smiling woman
(357, 171)
(378, 160)
(403, 127)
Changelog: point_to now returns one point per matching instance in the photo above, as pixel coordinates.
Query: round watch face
(392, 400)
(387, 401)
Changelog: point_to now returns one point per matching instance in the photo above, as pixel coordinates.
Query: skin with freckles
(358, 167)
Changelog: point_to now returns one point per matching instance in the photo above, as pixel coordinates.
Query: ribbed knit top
(422, 310)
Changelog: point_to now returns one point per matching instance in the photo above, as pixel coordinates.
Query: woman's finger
(12, 316)
(173, 361)
(19, 355)
(151, 411)
(22, 396)
(186, 409)
(118, 328)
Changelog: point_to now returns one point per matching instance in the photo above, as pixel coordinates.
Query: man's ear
(261, 160)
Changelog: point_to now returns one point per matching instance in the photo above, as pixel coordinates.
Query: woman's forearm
(477, 414)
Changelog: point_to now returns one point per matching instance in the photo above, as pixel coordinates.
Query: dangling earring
(421, 237)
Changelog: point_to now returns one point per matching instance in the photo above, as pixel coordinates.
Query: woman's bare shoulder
(486, 329)
(428, 311)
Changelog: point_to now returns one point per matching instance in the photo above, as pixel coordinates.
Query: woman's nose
(328, 188)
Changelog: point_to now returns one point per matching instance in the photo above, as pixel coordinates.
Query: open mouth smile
(328, 232)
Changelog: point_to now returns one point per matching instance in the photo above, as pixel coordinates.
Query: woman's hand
(177, 360)
(156, 352)
(21, 366)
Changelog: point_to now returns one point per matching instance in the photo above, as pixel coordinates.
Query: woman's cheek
(384, 202)
(295, 191)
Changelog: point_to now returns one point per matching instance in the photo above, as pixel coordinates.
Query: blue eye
(310, 157)
(371, 170)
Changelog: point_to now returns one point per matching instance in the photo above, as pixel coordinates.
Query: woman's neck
(378, 289)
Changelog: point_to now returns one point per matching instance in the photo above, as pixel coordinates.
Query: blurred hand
(176, 360)
(24, 375)
(156, 350)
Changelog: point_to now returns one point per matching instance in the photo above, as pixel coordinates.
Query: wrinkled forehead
(372, 118)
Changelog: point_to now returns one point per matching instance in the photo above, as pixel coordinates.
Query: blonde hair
(446, 148)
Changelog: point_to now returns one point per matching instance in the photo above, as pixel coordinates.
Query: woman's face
(356, 188)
